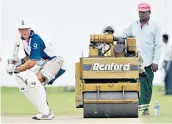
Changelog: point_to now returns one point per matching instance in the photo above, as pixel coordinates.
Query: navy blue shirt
(36, 49)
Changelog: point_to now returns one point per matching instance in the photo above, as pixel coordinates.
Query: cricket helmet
(23, 25)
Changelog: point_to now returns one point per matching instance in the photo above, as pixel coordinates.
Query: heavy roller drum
(109, 109)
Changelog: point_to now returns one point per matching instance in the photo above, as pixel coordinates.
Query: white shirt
(148, 41)
(26, 46)
(166, 52)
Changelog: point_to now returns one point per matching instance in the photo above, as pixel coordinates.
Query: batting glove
(11, 69)
(16, 61)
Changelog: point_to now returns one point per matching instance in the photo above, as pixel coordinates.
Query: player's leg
(50, 70)
(36, 69)
(40, 115)
(51, 82)
(49, 73)
(41, 79)
(35, 92)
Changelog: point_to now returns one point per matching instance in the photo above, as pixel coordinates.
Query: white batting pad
(51, 68)
(35, 91)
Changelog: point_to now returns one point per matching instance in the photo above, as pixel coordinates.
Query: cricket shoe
(41, 116)
(146, 113)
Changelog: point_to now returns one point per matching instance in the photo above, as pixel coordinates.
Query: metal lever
(123, 89)
(98, 89)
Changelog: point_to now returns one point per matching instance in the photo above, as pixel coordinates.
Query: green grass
(165, 107)
(62, 102)
(15, 103)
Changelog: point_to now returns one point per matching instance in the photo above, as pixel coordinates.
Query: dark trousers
(168, 78)
(146, 87)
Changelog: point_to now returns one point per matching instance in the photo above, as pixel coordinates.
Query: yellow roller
(107, 86)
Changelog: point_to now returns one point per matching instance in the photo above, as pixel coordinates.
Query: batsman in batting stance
(38, 68)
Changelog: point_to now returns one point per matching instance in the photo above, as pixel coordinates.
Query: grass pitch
(14, 102)
(165, 102)
(63, 103)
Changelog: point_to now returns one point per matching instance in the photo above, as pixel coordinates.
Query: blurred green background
(62, 102)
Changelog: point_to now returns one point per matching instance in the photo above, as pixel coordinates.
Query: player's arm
(27, 65)
(25, 59)
(33, 58)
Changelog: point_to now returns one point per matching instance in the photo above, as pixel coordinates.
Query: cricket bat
(14, 54)
(16, 46)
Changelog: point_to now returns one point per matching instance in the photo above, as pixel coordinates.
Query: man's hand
(16, 61)
(11, 69)
(154, 67)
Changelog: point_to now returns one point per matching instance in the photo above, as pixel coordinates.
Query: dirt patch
(68, 120)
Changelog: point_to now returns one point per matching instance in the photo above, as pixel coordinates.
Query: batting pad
(51, 69)
(33, 90)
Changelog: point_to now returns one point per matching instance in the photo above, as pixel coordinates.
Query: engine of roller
(107, 81)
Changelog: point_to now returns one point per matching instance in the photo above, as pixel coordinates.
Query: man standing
(166, 63)
(39, 67)
(148, 40)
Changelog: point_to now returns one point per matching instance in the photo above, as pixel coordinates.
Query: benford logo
(111, 67)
